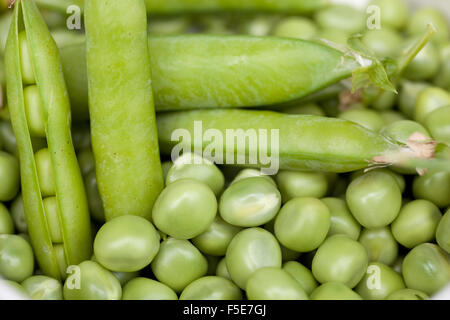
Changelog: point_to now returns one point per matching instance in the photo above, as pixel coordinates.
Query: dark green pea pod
(32, 57)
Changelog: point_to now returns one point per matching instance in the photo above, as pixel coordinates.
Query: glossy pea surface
(334, 291)
(211, 288)
(6, 222)
(438, 123)
(301, 184)
(341, 219)
(433, 186)
(147, 289)
(302, 275)
(16, 258)
(367, 118)
(34, 111)
(45, 172)
(429, 100)
(9, 176)
(408, 294)
(379, 282)
(443, 232)
(43, 288)
(380, 244)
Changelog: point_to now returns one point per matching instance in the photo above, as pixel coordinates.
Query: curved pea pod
(123, 126)
(62, 229)
(268, 139)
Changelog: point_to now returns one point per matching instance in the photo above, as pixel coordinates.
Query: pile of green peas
(232, 233)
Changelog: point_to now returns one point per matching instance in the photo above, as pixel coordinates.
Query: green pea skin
(250, 202)
(419, 20)
(175, 25)
(185, 209)
(391, 116)
(334, 291)
(43, 288)
(126, 244)
(249, 173)
(147, 289)
(192, 166)
(374, 199)
(426, 268)
(26, 60)
(342, 17)
(302, 275)
(429, 100)
(295, 27)
(302, 224)
(6, 222)
(271, 283)
(8, 137)
(393, 13)
(380, 245)
(438, 123)
(384, 42)
(416, 223)
(211, 288)
(45, 172)
(90, 281)
(443, 232)
(398, 177)
(294, 184)
(215, 240)
(286, 254)
(342, 221)
(34, 111)
(178, 263)
(402, 130)
(9, 176)
(386, 100)
(442, 79)
(93, 197)
(340, 259)
(250, 250)
(426, 63)
(334, 35)
(433, 186)
(51, 211)
(409, 91)
(408, 294)
(125, 277)
(16, 258)
(86, 161)
(221, 269)
(379, 282)
(367, 118)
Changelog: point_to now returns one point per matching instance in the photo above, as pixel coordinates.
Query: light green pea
(408, 294)
(61, 260)
(342, 221)
(45, 172)
(442, 79)
(260, 25)
(433, 186)
(386, 100)
(34, 111)
(193, 166)
(185, 209)
(211, 288)
(125, 277)
(26, 65)
(6, 222)
(286, 254)
(402, 130)
(94, 283)
(8, 137)
(216, 238)
(147, 289)
(384, 42)
(429, 100)
(393, 13)
(295, 27)
(302, 275)
(178, 263)
(391, 116)
(166, 26)
(51, 211)
(342, 17)
(271, 283)
(302, 224)
(250, 202)
(409, 91)
(367, 118)
(438, 123)
(126, 244)
(221, 269)
(398, 177)
(426, 63)
(340, 259)
(426, 268)
(16, 258)
(294, 184)
(443, 232)
(421, 18)
(250, 173)
(250, 250)
(93, 196)
(334, 291)
(9, 176)
(379, 282)
(43, 288)
(380, 245)
(416, 223)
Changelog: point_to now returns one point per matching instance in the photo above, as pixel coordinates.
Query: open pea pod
(52, 187)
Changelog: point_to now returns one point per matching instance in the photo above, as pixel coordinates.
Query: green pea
(81, 136)
(250, 250)
(426, 268)
(429, 100)
(9, 176)
(398, 177)
(192, 166)
(384, 42)
(302, 224)
(26, 65)
(438, 123)
(295, 27)
(221, 269)
(342, 221)
(340, 259)
(334, 291)
(172, 25)
(309, 108)
(185, 209)
(409, 92)
(86, 161)
(367, 118)
(342, 17)
(6, 222)
(393, 13)
(250, 173)
(216, 238)
(286, 254)
(293, 184)
(8, 137)
(391, 116)
(380, 245)
(386, 100)
(178, 263)
(126, 244)
(271, 283)
(43, 288)
(416, 223)
(443, 232)
(401, 131)
(374, 199)
(51, 210)
(45, 172)
(61, 260)
(260, 25)
(125, 277)
(379, 282)
(442, 79)
(408, 294)
(147, 289)
(250, 202)
(90, 281)
(16, 258)
(166, 165)
(34, 111)
(93, 196)
(19, 290)
(426, 63)
(421, 18)
(433, 186)
(302, 275)
(211, 288)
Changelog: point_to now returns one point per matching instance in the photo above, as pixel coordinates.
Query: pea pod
(32, 59)
(123, 128)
